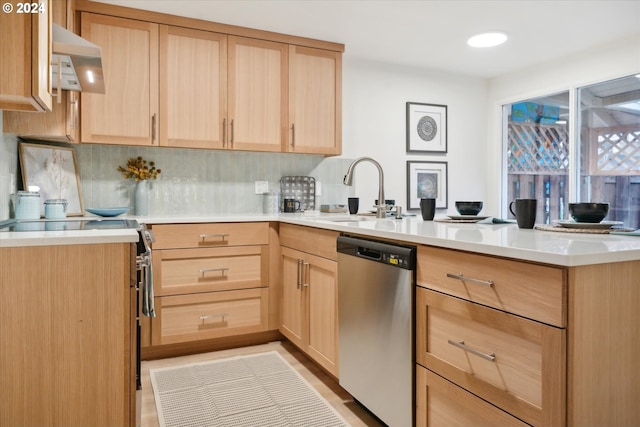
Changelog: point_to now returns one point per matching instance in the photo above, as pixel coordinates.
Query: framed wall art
(55, 170)
(426, 128)
(426, 180)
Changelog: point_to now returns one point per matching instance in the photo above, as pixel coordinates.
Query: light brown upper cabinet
(257, 94)
(222, 92)
(25, 71)
(193, 88)
(179, 82)
(315, 113)
(62, 123)
(128, 111)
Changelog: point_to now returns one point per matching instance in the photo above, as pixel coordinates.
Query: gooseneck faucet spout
(381, 207)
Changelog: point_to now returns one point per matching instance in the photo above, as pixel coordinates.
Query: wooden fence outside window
(538, 166)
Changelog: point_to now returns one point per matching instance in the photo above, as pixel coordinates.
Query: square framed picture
(426, 128)
(54, 170)
(426, 180)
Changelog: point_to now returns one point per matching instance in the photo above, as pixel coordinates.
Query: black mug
(291, 205)
(428, 209)
(354, 204)
(525, 212)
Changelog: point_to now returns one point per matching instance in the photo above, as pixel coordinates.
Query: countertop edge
(500, 240)
(55, 238)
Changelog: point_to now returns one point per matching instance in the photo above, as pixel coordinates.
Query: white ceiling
(429, 33)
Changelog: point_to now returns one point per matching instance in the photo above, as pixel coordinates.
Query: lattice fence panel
(616, 151)
(536, 148)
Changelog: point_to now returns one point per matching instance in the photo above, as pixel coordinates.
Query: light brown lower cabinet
(211, 281)
(441, 403)
(542, 344)
(309, 308)
(67, 356)
(195, 317)
(515, 363)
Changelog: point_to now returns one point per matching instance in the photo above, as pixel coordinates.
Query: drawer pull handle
(491, 357)
(222, 270)
(210, 236)
(488, 283)
(213, 316)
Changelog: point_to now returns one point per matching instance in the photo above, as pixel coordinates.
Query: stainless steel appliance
(375, 324)
(144, 303)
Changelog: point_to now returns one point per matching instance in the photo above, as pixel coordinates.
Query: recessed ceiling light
(487, 39)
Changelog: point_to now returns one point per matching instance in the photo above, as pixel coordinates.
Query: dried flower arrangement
(139, 169)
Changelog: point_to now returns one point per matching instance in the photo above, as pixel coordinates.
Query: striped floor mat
(244, 391)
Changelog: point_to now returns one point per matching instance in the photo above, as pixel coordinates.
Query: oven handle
(146, 274)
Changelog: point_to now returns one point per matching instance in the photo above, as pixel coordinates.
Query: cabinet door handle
(153, 128)
(73, 107)
(213, 316)
(306, 273)
(222, 270)
(232, 135)
(293, 135)
(221, 236)
(462, 278)
(224, 132)
(299, 278)
(491, 357)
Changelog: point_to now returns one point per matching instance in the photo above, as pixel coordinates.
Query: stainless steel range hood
(76, 63)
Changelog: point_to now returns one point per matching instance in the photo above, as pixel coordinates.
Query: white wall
(606, 62)
(374, 125)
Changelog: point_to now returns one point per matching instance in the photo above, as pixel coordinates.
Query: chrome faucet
(381, 207)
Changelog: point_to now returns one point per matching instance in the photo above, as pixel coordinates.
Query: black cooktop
(68, 224)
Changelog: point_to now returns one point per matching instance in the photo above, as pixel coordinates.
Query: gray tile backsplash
(192, 182)
(201, 182)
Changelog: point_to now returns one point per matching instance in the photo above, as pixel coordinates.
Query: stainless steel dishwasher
(375, 326)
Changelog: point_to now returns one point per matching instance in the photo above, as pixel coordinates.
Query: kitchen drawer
(442, 403)
(314, 241)
(515, 363)
(202, 235)
(183, 271)
(534, 291)
(196, 317)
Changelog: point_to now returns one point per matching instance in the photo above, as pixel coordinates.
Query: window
(538, 147)
(609, 117)
(538, 154)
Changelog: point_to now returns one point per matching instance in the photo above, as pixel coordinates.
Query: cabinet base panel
(183, 349)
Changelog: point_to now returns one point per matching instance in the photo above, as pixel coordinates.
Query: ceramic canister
(55, 208)
(27, 205)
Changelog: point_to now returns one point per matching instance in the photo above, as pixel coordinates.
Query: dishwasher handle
(369, 253)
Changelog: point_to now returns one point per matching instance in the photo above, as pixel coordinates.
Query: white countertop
(505, 240)
(67, 237)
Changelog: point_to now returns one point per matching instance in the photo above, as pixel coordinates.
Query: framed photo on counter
(426, 180)
(54, 169)
(426, 128)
